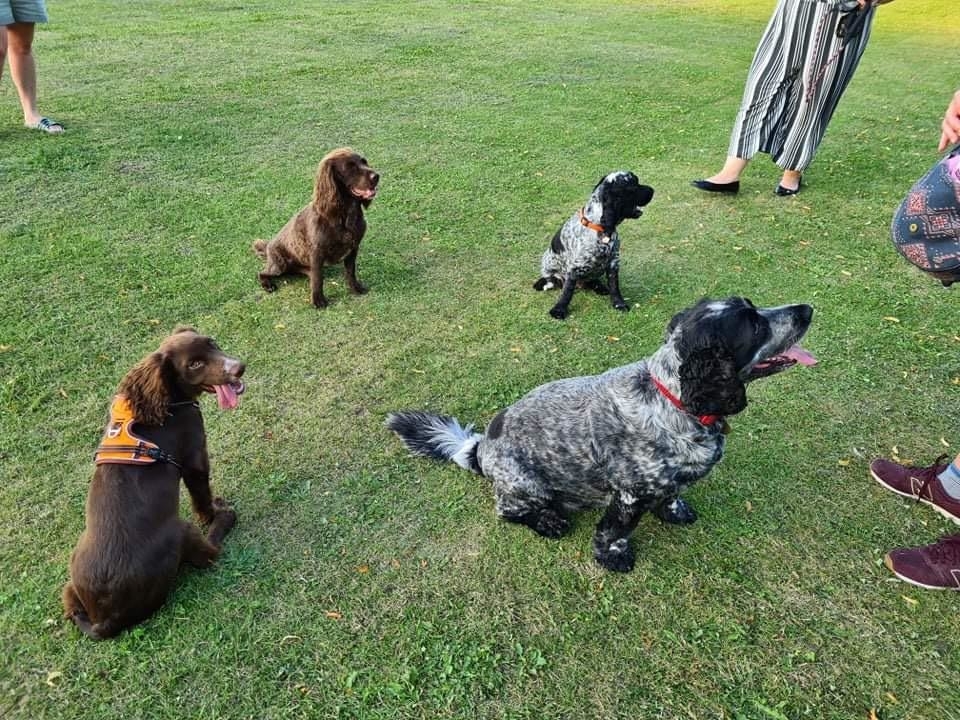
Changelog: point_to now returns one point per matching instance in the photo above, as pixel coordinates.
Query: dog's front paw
(319, 302)
(558, 312)
(224, 516)
(225, 519)
(676, 512)
(616, 556)
(621, 306)
(359, 289)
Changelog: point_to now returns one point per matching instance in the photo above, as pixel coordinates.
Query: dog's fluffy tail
(439, 437)
(260, 247)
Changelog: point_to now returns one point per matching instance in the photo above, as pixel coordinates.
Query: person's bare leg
(23, 70)
(3, 48)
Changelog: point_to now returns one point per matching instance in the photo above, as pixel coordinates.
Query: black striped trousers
(798, 74)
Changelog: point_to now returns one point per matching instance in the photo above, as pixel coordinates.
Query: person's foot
(935, 567)
(919, 483)
(789, 183)
(45, 124)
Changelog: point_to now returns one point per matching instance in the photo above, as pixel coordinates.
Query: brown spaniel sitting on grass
(127, 558)
(326, 231)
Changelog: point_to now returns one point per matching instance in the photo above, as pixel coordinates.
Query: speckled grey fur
(613, 439)
(582, 255)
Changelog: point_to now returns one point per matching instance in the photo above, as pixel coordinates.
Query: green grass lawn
(363, 583)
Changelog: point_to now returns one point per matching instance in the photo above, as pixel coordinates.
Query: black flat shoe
(729, 188)
(783, 192)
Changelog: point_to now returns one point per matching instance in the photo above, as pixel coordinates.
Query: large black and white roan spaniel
(632, 439)
(585, 251)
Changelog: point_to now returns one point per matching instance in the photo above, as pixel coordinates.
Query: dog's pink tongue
(800, 355)
(226, 396)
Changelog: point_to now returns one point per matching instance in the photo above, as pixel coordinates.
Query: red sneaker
(919, 483)
(935, 567)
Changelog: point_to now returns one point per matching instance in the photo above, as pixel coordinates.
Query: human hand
(951, 123)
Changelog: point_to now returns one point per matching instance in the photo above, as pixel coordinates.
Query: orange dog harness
(121, 446)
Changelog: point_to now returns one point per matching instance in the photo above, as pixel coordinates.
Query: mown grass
(360, 582)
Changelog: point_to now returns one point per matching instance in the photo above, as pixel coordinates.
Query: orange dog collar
(593, 226)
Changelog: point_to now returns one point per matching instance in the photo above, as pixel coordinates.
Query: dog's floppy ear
(145, 388)
(709, 384)
(646, 195)
(672, 325)
(326, 196)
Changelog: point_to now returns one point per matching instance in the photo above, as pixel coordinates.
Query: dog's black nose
(374, 178)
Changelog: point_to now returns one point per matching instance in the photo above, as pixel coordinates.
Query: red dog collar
(707, 420)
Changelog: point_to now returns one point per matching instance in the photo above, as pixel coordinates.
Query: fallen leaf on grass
(333, 615)
(612, 338)
(53, 676)
(944, 442)
(910, 600)
(873, 714)
(891, 318)
(843, 462)
(749, 506)
(363, 569)
(847, 273)
(892, 698)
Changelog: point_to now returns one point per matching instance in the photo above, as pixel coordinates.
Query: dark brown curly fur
(126, 560)
(326, 231)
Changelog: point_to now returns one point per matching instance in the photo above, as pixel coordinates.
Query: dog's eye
(196, 364)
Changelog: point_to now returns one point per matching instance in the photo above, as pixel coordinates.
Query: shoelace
(946, 550)
(928, 474)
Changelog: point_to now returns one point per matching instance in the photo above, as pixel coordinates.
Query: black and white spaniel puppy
(587, 246)
(632, 439)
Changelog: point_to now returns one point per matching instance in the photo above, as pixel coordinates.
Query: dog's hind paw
(676, 512)
(547, 283)
(558, 312)
(617, 556)
(598, 287)
(551, 524)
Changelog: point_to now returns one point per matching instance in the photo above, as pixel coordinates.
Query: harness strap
(120, 446)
